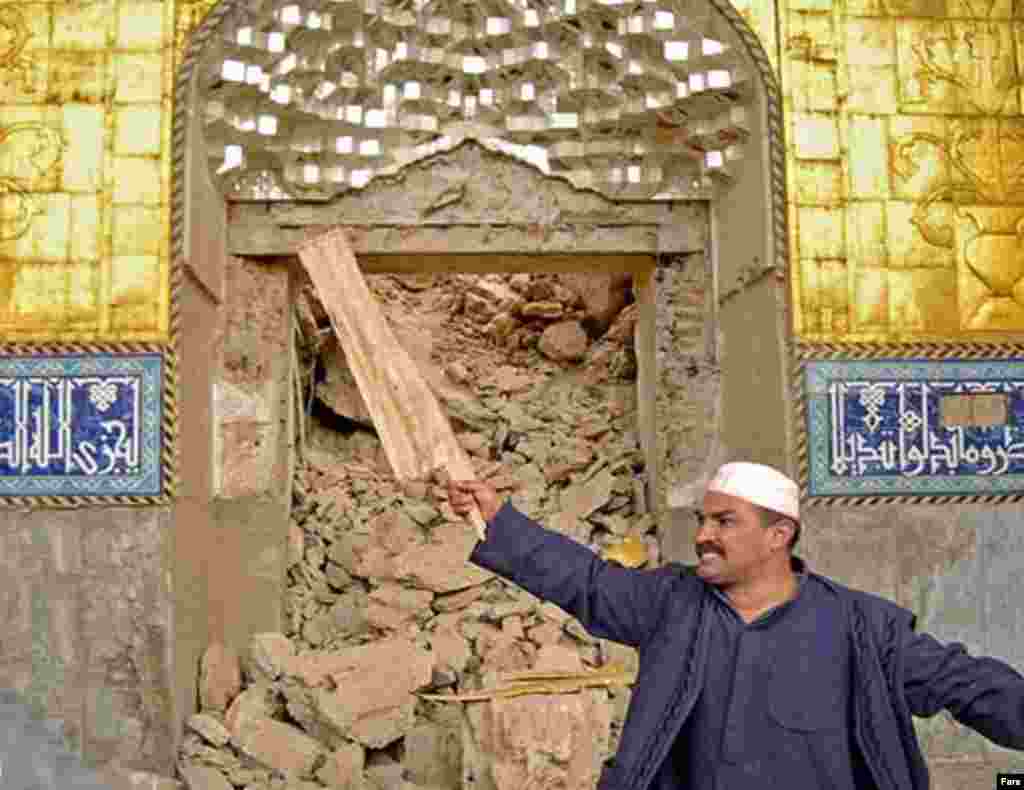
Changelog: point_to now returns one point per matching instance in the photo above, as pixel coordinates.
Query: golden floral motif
(974, 59)
(15, 67)
(985, 187)
(33, 149)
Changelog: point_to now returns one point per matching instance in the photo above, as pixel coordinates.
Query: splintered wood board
(416, 434)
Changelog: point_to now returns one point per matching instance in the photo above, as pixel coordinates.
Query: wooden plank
(417, 437)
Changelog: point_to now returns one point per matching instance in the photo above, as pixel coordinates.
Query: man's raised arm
(610, 601)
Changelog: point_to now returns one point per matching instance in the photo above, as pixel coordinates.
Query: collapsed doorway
(345, 160)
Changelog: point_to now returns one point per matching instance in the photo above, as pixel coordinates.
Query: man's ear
(787, 528)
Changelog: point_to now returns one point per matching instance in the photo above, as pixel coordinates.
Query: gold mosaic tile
(869, 176)
(85, 228)
(918, 157)
(136, 180)
(872, 89)
(77, 76)
(138, 129)
(815, 136)
(40, 293)
(83, 130)
(136, 230)
(135, 283)
(866, 237)
(47, 238)
(821, 232)
(83, 26)
(140, 26)
(908, 247)
(921, 303)
(814, 86)
(818, 183)
(870, 303)
(811, 37)
(83, 309)
(987, 9)
(138, 77)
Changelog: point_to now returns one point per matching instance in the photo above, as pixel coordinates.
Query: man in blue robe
(753, 670)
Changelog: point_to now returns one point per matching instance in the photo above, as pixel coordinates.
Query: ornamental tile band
(81, 426)
(914, 428)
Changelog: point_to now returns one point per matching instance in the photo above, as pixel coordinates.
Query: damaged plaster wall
(540, 374)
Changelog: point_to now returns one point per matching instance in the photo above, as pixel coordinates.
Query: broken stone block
(433, 754)
(256, 702)
(475, 443)
(372, 702)
(203, 777)
(479, 307)
(457, 372)
(460, 600)
(565, 341)
(549, 633)
(503, 327)
(279, 746)
(449, 650)
(209, 728)
(584, 498)
(391, 606)
(268, 656)
(385, 775)
(503, 652)
(549, 740)
(343, 769)
(339, 391)
(622, 328)
(337, 576)
(440, 565)
(497, 293)
(220, 677)
(395, 531)
(603, 295)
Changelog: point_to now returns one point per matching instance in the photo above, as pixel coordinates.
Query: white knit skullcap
(762, 485)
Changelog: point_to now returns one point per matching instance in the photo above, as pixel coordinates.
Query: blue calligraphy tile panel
(81, 425)
(875, 428)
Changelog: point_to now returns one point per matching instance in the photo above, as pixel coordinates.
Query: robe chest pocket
(807, 693)
(807, 713)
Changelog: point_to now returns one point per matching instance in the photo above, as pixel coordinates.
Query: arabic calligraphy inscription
(890, 427)
(80, 425)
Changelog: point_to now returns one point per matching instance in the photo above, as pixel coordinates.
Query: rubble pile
(537, 375)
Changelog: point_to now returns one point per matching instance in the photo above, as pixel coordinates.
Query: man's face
(732, 543)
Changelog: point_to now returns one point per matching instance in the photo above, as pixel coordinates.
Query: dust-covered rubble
(537, 375)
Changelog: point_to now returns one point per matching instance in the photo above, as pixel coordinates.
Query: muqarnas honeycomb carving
(637, 100)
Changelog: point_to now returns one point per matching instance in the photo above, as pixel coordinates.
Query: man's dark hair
(769, 517)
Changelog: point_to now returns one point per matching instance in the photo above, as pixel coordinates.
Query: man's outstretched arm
(610, 601)
(982, 693)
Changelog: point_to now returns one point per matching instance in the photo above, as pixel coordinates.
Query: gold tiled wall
(905, 134)
(84, 113)
(906, 168)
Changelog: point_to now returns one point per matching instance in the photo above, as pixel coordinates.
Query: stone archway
(748, 245)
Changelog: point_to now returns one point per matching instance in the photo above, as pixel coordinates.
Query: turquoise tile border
(874, 429)
(81, 425)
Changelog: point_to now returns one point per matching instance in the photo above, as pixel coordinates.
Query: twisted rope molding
(169, 422)
(903, 351)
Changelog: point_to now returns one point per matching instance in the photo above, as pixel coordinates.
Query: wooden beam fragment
(417, 437)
